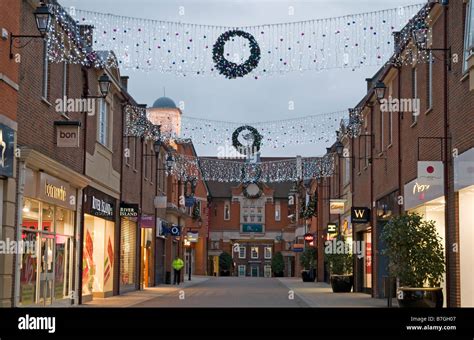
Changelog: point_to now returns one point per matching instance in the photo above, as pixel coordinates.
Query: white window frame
(266, 252)
(430, 81)
(244, 249)
(251, 252)
(103, 125)
(226, 211)
(347, 170)
(45, 89)
(390, 120)
(267, 270)
(468, 34)
(240, 267)
(277, 211)
(414, 118)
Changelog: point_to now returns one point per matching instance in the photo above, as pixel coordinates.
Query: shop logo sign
(337, 207)
(102, 207)
(129, 210)
(57, 193)
(7, 136)
(360, 215)
(67, 134)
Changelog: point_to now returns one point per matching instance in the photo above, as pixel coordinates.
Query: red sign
(309, 237)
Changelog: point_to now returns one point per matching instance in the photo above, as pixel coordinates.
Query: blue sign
(7, 143)
(174, 230)
(298, 250)
(252, 228)
(189, 201)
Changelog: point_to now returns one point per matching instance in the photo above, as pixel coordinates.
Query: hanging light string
(350, 41)
(222, 170)
(312, 129)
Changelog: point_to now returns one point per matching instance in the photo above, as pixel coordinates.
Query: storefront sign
(360, 215)
(189, 202)
(160, 202)
(129, 210)
(298, 248)
(337, 207)
(147, 221)
(67, 134)
(252, 228)
(175, 230)
(99, 204)
(7, 143)
(53, 190)
(308, 237)
(430, 172)
(192, 237)
(332, 231)
(417, 194)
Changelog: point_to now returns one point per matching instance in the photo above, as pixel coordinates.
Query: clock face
(253, 189)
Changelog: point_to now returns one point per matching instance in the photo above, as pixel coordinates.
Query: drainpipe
(372, 203)
(19, 218)
(399, 133)
(447, 163)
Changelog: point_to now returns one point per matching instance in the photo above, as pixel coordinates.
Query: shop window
(242, 251)
(45, 85)
(242, 270)
(254, 252)
(268, 253)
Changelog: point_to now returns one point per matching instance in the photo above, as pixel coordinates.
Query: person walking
(177, 264)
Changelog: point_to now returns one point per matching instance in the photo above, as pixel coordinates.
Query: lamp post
(104, 86)
(43, 23)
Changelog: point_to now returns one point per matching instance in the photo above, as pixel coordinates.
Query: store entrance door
(46, 277)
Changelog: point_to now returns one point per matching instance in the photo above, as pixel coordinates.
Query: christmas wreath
(252, 135)
(229, 69)
(255, 195)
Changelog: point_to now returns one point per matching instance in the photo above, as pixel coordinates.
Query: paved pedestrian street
(228, 292)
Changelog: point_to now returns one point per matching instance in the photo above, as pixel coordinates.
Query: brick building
(379, 169)
(9, 88)
(251, 228)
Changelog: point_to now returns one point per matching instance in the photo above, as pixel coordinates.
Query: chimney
(124, 82)
(87, 34)
(369, 84)
(143, 106)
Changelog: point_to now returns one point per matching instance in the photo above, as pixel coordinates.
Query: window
(414, 90)
(254, 252)
(242, 270)
(429, 85)
(277, 211)
(347, 170)
(215, 245)
(103, 123)
(137, 152)
(127, 150)
(45, 70)
(267, 271)
(390, 117)
(242, 251)
(382, 123)
(145, 162)
(268, 252)
(226, 211)
(65, 81)
(469, 34)
(367, 149)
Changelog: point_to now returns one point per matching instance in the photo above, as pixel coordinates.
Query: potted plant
(416, 258)
(308, 262)
(278, 265)
(225, 264)
(340, 264)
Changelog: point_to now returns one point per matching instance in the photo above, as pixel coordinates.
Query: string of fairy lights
(351, 42)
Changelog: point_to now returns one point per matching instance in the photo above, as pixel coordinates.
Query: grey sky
(246, 99)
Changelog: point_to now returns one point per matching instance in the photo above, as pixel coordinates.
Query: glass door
(46, 270)
(254, 271)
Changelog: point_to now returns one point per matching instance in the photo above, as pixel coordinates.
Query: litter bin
(168, 278)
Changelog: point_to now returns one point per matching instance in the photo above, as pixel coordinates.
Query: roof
(164, 103)
(224, 189)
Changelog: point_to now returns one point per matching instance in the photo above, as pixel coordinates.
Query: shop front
(47, 231)
(99, 236)
(128, 247)
(428, 201)
(464, 186)
(360, 218)
(147, 223)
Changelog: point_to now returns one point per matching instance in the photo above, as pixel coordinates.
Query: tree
(278, 264)
(225, 262)
(415, 251)
(308, 258)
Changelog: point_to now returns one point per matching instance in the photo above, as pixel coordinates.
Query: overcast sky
(246, 99)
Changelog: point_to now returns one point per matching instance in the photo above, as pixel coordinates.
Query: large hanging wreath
(256, 187)
(252, 135)
(229, 69)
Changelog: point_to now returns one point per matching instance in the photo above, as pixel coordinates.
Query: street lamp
(157, 146)
(169, 162)
(420, 37)
(339, 148)
(104, 86)
(380, 89)
(43, 22)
